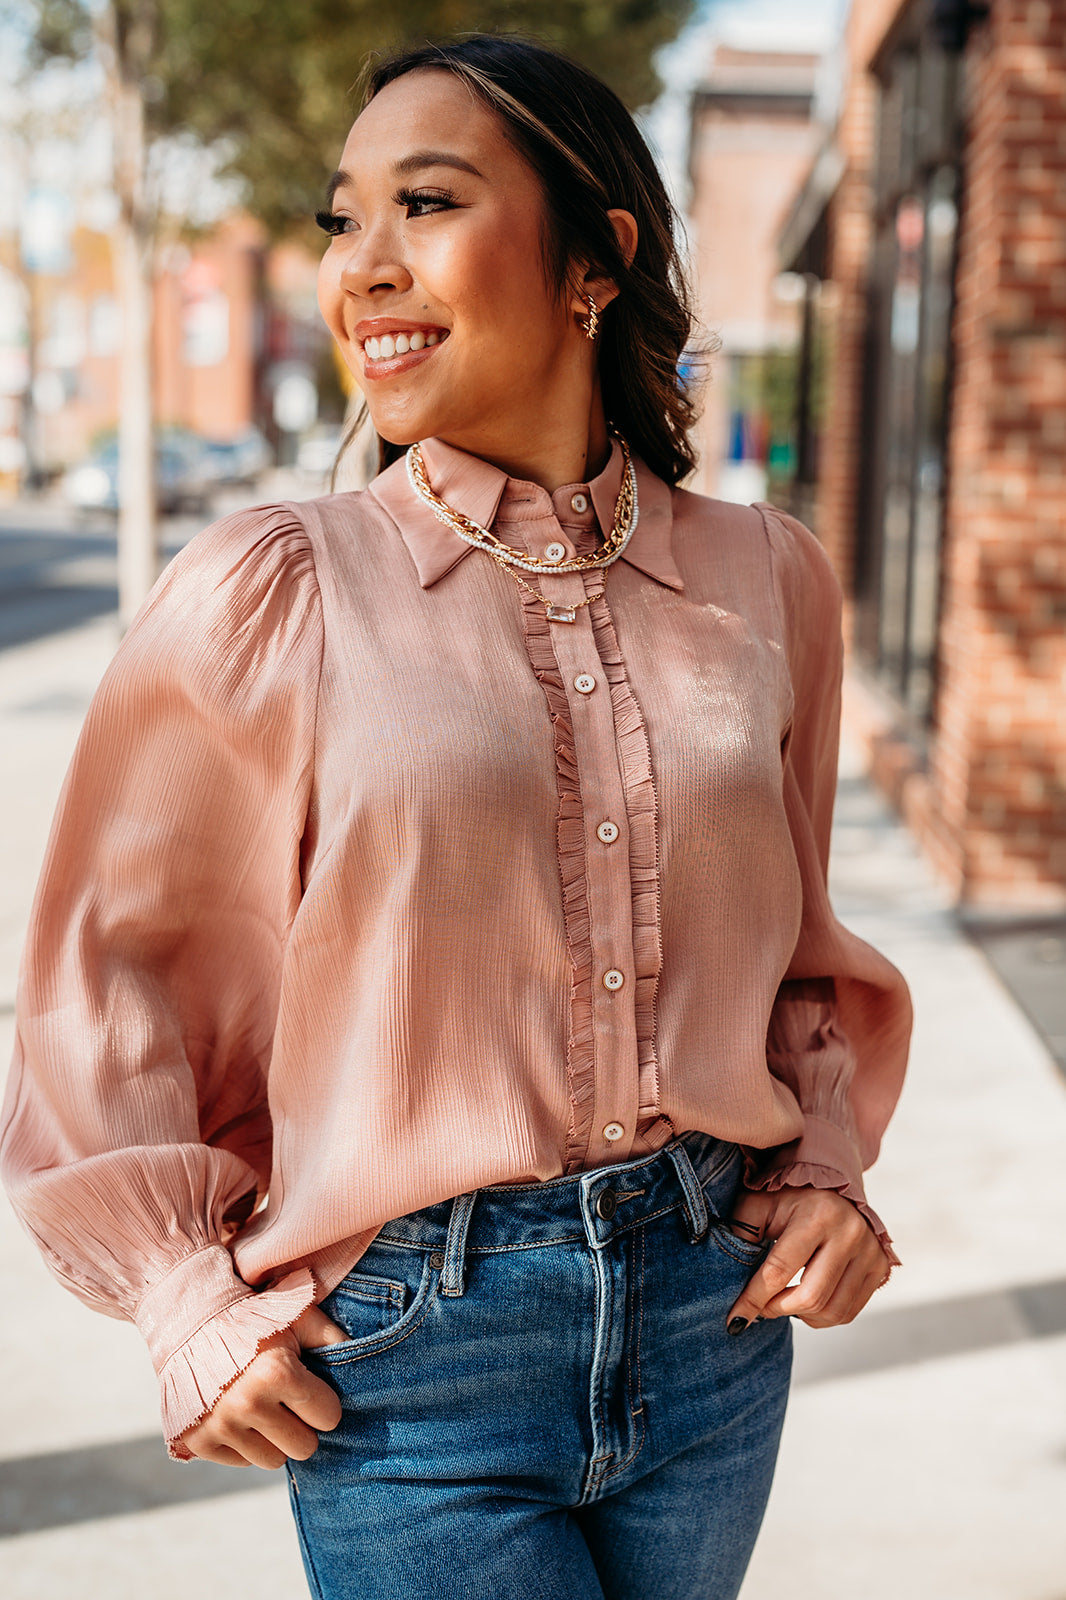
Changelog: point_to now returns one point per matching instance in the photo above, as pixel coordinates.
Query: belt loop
(451, 1278)
(695, 1205)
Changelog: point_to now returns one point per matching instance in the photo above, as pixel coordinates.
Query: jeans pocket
(380, 1301)
(721, 1192)
(748, 1252)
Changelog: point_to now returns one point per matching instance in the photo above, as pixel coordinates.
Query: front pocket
(749, 1252)
(363, 1305)
(375, 1311)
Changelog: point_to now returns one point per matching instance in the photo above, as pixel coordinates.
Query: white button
(579, 502)
(607, 832)
(613, 1131)
(613, 979)
(555, 552)
(584, 683)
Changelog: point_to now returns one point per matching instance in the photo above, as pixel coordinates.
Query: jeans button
(606, 1204)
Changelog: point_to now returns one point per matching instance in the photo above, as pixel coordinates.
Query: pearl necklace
(626, 514)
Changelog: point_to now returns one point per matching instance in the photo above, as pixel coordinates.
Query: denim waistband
(592, 1206)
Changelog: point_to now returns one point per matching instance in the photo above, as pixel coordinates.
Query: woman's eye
(423, 202)
(332, 222)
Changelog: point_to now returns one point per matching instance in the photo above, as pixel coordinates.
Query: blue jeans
(541, 1401)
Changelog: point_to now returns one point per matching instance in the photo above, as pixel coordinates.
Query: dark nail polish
(737, 1325)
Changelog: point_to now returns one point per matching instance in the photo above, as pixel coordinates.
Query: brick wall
(998, 770)
(991, 808)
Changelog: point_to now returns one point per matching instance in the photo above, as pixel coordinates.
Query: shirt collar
(477, 488)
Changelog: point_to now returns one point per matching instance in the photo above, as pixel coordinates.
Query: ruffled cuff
(823, 1158)
(233, 1322)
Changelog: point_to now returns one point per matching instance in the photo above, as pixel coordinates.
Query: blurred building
(234, 317)
(753, 135)
(930, 419)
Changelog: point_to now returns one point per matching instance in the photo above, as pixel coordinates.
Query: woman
(446, 864)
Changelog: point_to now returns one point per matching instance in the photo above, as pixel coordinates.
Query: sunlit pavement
(925, 1451)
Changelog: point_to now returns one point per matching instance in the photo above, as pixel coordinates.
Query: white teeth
(398, 344)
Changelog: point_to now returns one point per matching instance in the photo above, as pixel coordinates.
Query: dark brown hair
(590, 158)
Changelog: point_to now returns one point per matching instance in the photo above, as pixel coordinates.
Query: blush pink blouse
(370, 886)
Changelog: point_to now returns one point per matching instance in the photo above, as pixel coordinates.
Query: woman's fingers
(221, 1454)
(824, 1237)
(259, 1451)
(308, 1397)
(788, 1255)
(278, 1396)
(273, 1410)
(854, 1289)
(314, 1329)
(808, 1299)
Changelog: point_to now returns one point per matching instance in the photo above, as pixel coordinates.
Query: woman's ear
(624, 224)
(594, 284)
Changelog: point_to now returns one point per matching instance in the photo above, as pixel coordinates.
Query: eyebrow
(417, 161)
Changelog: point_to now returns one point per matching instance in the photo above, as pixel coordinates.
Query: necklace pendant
(562, 613)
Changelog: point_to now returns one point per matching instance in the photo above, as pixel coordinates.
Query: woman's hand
(272, 1410)
(815, 1231)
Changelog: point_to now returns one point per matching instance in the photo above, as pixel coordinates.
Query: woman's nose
(372, 262)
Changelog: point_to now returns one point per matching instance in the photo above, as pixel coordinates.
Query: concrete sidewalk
(925, 1452)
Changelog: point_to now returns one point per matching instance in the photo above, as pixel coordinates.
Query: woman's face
(433, 285)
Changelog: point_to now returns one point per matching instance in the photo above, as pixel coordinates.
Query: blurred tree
(271, 88)
(277, 82)
(273, 85)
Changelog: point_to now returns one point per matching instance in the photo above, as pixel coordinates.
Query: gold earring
(591, 323)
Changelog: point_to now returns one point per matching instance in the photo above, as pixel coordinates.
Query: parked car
(183, 482)
(239, 460)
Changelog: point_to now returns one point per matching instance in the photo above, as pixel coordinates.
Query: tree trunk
(138, 542)
(125, 34)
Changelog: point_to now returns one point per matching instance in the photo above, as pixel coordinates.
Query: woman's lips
(382, 358)
(389, 366)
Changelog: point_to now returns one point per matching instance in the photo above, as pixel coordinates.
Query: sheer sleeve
(840, 1025)
(136, 1130)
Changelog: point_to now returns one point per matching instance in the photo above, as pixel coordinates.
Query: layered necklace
(625, 521)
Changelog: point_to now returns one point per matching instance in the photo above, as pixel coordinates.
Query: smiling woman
(505, 238)
(434, 1030)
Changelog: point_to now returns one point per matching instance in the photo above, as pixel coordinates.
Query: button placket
(615, 1066)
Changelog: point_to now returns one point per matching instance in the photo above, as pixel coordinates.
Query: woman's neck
(550, 455)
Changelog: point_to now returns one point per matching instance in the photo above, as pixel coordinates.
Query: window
(908, 364)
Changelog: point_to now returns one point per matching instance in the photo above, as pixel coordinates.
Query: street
(58, 569)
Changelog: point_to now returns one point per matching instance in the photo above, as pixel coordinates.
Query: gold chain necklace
(554, 613)
(626, 512)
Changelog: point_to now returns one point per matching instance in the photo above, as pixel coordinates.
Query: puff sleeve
(136, 1131)
(840, 1025)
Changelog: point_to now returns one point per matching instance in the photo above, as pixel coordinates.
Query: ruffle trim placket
(642, 815)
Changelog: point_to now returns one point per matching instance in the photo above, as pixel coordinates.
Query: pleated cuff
(823, 1158)
(232, 1323)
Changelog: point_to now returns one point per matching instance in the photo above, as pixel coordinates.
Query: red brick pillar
(998, 769)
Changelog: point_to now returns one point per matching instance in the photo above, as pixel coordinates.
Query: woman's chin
(403, 430)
